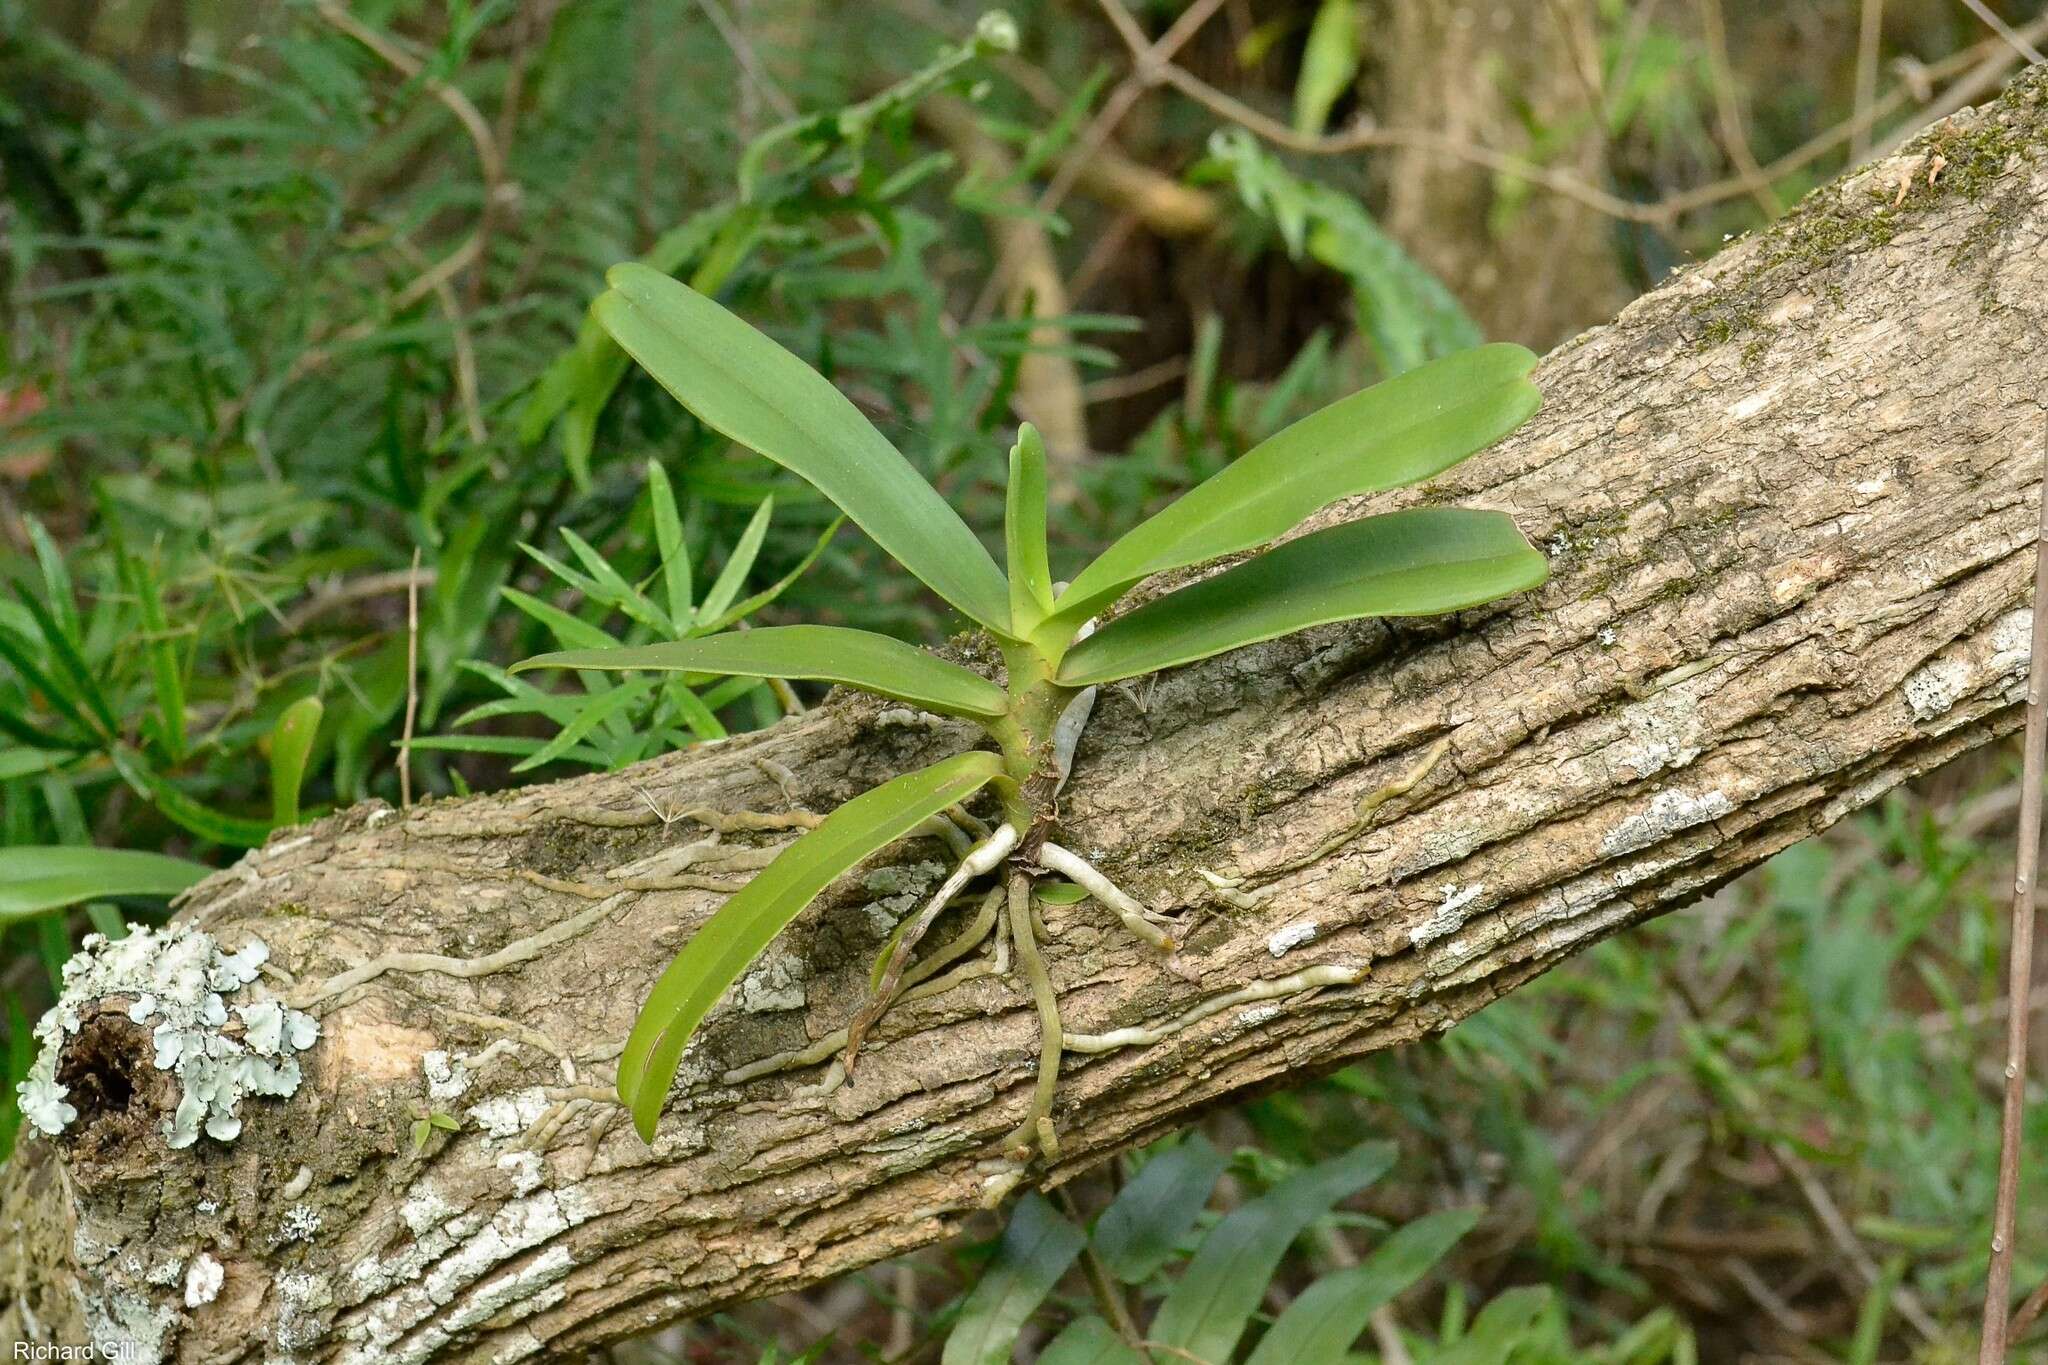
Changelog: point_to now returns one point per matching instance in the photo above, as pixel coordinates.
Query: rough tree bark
(1787, 498)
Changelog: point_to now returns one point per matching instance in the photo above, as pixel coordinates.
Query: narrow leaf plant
(1058, 642)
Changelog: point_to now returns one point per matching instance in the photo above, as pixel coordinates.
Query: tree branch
(1789, 503)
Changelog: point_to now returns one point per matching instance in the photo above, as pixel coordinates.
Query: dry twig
(2020, 968)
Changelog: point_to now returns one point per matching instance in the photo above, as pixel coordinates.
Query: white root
(1137, 918)
(1308, 979)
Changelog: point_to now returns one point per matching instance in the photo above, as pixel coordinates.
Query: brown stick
(2020, 968)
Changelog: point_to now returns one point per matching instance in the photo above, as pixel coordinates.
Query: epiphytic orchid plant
(1413, 562)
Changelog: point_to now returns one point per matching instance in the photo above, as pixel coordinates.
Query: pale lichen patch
(176, 978)
(1292, 936)
(1935, 687)
(1447, 916)
(1668, 812)
(203, 1279)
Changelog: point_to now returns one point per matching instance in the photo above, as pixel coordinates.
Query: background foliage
(294, 356)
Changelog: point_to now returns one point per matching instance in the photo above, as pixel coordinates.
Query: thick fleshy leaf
(1394, 433)
(722, 950)
(745, 386)
(1037, 1247)
(1417, 562)
(1209, 1306)
(1142, 1227)
(1024, 533)
(1319, 1327)
(858, 658)
(35, 878)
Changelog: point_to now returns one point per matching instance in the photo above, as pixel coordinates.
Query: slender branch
(2020, 966)
(2018, 41)
(1728, 110)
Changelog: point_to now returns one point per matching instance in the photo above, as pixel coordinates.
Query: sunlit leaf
(1024, 532)
(1037, 1247)
(1319, 1327)
(291, 744)
(727, 944)
(36, 878)
(1391, 434)
(858, 658)
(1210, 1305)
(750, 389)
(1417, 562)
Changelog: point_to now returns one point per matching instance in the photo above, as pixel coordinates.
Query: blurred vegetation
(294, 356)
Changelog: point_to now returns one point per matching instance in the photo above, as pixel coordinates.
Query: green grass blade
(748, 388)
(858, 658)
(1209, 1306)
(291, 745)
(747, 606)
(675, 554)
(567, 629)
(1418, 562)
(36, 878)
(1394, 433)
(1024, 533)
(719, 952)
(1139, 1231)
(1319, 1327)
(726, 587)
(1037, 1247)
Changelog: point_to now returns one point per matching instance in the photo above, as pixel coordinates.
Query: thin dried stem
(2020, 966)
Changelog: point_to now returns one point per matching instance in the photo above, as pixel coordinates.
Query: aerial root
(920, 982)
(513, 954)
(1143, 922)
(1230, 888)
(1308, 979)
(1037, 1129)
(888, 976)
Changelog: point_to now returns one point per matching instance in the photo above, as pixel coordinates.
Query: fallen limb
(1788, 499)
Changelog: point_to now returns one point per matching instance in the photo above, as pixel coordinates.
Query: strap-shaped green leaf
(1394, 433)
(39, 877)
(1207, 1309)
(745, 386)
(727, 944)
(1088, 1341)
(1037, 1247)
(1024, 533)
(1416, 562)
(1319, 1327)
(1140, 1230)
(858, 658)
